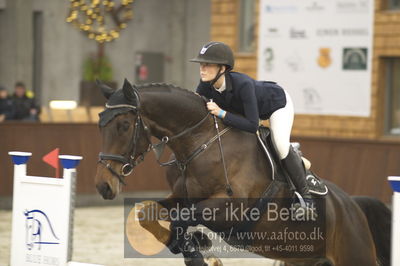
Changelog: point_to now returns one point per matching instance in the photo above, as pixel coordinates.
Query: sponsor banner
(320, 52)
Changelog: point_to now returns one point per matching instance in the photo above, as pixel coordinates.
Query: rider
(240, 101)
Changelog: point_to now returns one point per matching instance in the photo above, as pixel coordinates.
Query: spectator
(6, 105)
(24, 106)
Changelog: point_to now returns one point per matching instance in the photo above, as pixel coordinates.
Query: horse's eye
(124, 126)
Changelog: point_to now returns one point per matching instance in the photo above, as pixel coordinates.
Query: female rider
(240, 101)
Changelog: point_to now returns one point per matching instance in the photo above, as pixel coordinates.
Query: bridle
(129, 162)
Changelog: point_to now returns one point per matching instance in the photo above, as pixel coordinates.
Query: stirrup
(305, 209)
(305, 214)
(301, 199)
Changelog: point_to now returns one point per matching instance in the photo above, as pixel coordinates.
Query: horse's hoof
(176, 240)
(193, 257)
(195, 262)
(173, 246)
(194, 241)
(213, 261)
(202, 240)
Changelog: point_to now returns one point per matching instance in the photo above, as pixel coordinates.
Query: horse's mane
(159, 88)
(162, 87)
(185, 104)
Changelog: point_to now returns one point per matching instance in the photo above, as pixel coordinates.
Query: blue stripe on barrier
(20, 157)
(70, 161)
(395, 183)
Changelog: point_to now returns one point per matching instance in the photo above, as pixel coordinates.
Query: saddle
(315, 185)
(280, 178)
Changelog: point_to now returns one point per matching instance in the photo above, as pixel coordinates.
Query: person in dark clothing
(240, 102)
(6, 106)
(24, 106)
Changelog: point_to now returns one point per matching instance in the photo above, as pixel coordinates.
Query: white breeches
(281, 122)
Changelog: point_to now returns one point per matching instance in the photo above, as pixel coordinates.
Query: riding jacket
(245, 100)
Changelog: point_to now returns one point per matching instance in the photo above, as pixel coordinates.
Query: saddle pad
(315, 185)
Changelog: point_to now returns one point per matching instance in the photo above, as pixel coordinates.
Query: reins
(128, 164)
(228, 188)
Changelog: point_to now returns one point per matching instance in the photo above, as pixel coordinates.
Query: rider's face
(208, 71)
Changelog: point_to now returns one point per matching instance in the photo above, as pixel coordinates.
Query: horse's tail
(379, 220)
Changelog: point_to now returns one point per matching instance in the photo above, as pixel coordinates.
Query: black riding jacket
(245, 100)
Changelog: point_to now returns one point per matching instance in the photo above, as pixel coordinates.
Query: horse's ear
(130, 92)
(107, 91)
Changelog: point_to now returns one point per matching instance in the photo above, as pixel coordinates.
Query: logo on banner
(324, 59)
(39, 230)
(297, 33)
(355, 58)
(312, 99)
(328, 32)
(294, 62)
(272, 33)
(346, 32)
(352, 6)
(355, 32)
(280, 9)
(315, 7)
(269, 59)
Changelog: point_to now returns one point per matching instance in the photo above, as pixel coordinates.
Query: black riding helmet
(216, 53)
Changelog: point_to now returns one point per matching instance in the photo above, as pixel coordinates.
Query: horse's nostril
(104, 189)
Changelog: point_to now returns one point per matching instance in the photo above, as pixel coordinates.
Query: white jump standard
(395, 183)
(42, 216)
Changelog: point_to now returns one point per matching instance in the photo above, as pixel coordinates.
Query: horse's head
(124, 136)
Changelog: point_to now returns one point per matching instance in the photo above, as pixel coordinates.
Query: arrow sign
(52, 159)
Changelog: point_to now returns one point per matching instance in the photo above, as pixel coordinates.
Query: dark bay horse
(355, 231)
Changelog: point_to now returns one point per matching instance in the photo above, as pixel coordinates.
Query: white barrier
(395, 183)
(73, 263)
(42, 216)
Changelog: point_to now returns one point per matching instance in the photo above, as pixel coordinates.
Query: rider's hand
(214, 109)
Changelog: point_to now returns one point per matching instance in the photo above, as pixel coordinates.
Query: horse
(178, 119)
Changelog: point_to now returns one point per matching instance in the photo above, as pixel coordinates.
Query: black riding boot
(295, 168)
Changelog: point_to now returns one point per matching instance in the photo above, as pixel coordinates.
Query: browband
(120, 106)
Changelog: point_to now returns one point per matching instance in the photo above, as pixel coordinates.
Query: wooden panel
(359, 167)
(75, 139)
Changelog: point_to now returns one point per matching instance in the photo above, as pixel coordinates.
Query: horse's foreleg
(177, 241)
(149, 217)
